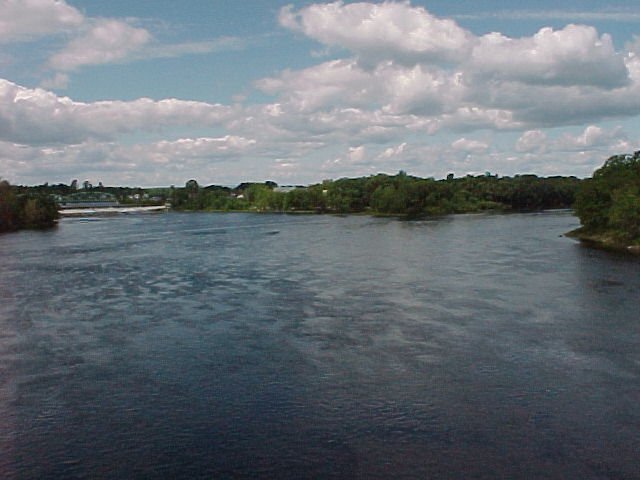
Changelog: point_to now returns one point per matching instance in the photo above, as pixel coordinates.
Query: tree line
(607, 204)
(399, 194)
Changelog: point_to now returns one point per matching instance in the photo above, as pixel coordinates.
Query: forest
(383, 194)
(30, 209)
(608, 203)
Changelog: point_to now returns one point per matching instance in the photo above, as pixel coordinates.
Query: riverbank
(604, 240)
(366, 212)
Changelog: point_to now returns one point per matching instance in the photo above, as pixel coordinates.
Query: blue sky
(155, 92)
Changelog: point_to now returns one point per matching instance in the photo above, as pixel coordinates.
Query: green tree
(624, 214)
(609, 202)
(25, 210)
(8, 207)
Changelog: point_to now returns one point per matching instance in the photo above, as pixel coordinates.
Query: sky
(157, 92)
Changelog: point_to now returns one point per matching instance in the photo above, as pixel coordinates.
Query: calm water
(257, 346)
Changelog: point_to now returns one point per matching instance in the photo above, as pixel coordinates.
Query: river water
(274, 346)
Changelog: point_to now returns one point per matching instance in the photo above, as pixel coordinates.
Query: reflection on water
(213, 346)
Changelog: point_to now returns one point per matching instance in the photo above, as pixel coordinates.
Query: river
(291, 346)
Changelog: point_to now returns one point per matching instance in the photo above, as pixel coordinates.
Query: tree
(192, 186)
(624, 214)
(609, 202)
(592, 204)
(28, 210)
(8, 207)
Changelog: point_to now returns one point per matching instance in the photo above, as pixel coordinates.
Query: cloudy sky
(155, 92)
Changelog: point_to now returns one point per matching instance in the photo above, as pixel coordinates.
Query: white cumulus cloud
(376, 31)
(531, 141)
(574, 55)
(555, 77)
(594, 138)
(335, 83)
(402, 76)
(356, 154)
(469, 146)
(27, 19)
(37, 116)
(391, 152)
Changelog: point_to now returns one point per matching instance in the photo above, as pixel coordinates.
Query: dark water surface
(258, 346)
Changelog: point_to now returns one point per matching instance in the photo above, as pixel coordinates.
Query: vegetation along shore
(608, 204)
(25, 209)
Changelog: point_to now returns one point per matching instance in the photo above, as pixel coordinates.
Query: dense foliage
(609, 202)
(399, 194)
(25, 210)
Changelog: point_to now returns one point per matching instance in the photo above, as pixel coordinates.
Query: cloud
(324, 127)
(574, 55)
(465, 119)
(469, 146)
(404, 76)
(356, 154)
(344, 83)
(201, 147)
(571, 154)
(592, 138)
(419, 90)
(633, 46)
(233, 158)
(554, 77)
(157, 163)
(339, 82)
(380, 31)
(114, 41)
(39, 117)
(392, 152)
(189, 48)
(106, 41)
(536, 106)
(94, 41)
(628, 15)
(22, 20)
(532, 141)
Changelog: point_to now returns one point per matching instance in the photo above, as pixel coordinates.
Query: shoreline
(602, 240)
(164, 208)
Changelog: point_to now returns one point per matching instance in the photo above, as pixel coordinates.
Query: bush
(25, 211)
